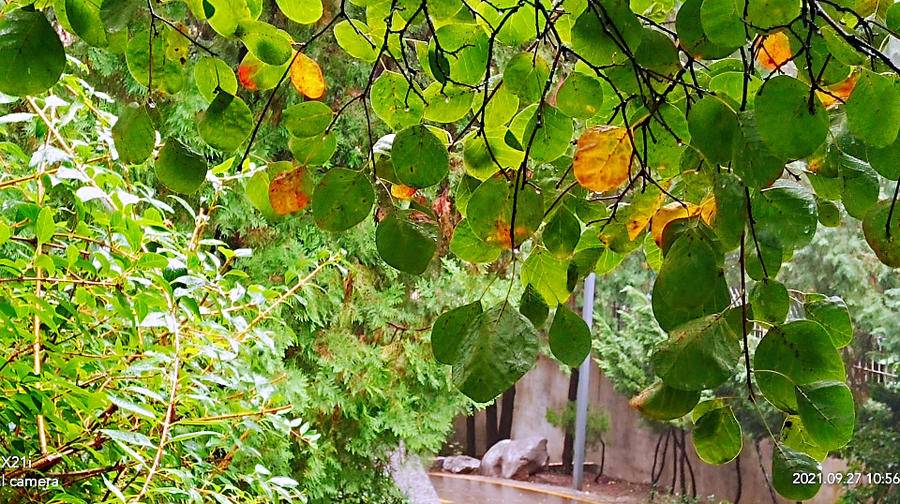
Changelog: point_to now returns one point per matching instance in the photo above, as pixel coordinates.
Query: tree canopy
(548, 138)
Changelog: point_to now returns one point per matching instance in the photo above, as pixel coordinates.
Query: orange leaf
(774, 51)
(245, 75)
(837, 93)
(603, 158)
(307, 78)
(289, 192)
(403, 192)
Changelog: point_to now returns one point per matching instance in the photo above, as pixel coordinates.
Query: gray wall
(630, 442)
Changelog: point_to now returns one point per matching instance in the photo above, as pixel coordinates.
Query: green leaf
(754, 161)
(179, 169)
(271, 45)
(699, 354)
(257, 191)
(859, 186)
(828, 413)
(469, 247)
(343, 198)
(787, 464)
(303, 12)
(770, 252)
(690, 284)
(722, 23)
(134, 135)
(224, 15)
(598, 33)
(548, 275)
(497, 350)
(466, 48)
(770, 301)
(873, 109)
(551, 140)
(226, 123)
(717, 436)
(580, 96)
(884, 241)
(450, 329)
(661, 402)
(526, 75)
(794, 435)
(420, 158)
(713, 126)
(533, 306)
(561, 233)
(490, 212)
(691, 35)
(44, 227)
(168, 75)
(770, 13)
(447, 103)
(834, 316)
(84, 18)
(356, 39)
(795, 354)
(784, 118)
(886, 160)
(212, 74)
(570, 337)
(731, 210)
(314, 150)
(395, 102)
(786, 212)
(307, 119)
(31, 54)
(404, 244)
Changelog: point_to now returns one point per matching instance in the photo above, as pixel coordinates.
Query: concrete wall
(630, 441)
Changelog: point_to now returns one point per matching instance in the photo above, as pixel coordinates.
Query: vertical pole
(584, 376)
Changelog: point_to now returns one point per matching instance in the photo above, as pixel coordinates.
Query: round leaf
(404, 244)
(661, 402)
(307, 119)
(343, 198)
(873, 110)
(226, 123)
(580, 96)
(717, 436)
(795, 354)
(450, 329)
(791, 125)
(770, 301)
(570, 337)
(884, 240)
(496, 351)
(303, 12)
(786, 465)
(211, 74)
(828, 413)
(31, 54)
(699, 354)
(420, 158)
(179, 169)
(603, 158)
(290, 192)
(134, 135)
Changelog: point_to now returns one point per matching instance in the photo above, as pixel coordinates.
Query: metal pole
(584, 375)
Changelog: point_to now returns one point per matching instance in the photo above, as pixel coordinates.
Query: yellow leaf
(307, 78)
(671, 212)
(603, 158)
(403, 192)
(641, 211)
(773, 51)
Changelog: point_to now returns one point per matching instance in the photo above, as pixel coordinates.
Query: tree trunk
(569, 441)
(470, 435)
(490, 425)
(506, 413)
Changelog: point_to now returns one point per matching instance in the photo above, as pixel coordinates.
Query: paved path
(469, 489)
